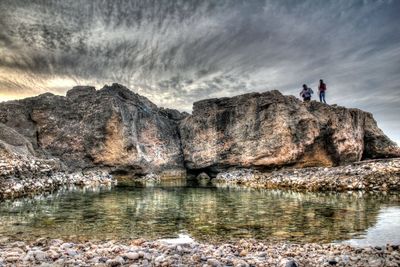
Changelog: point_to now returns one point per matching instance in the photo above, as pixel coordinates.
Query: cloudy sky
(176, 52)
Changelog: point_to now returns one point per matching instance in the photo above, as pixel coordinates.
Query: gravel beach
(140, 252)
(380, 175)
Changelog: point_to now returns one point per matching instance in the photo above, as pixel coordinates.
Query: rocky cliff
(112, 127)
(262, 130)
(117, 129)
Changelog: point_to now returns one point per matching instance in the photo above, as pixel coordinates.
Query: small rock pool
(205, 213)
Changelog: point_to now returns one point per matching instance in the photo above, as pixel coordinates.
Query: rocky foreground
(380, 175)
(159, 253)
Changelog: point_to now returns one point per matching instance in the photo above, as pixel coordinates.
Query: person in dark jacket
(322, 90)
(306, 93)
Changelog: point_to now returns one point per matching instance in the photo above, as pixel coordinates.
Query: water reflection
(205, 213)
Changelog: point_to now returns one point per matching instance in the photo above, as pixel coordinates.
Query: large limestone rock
(117, 129)
(112, 127)
(263, 130)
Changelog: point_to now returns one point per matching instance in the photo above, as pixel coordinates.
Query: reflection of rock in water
(140, 181)
(162, 211)
(325, 212)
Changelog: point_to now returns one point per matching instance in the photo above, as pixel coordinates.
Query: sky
(176, 52)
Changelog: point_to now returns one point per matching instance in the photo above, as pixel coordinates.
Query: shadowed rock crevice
(319, 153)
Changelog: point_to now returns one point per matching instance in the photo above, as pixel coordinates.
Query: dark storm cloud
(177, 52)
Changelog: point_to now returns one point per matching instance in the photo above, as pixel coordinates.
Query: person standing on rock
(322, 89)
(306, 93)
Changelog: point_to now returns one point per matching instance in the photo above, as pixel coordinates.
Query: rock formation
(112, 127)
(124, 132)
(263, 130)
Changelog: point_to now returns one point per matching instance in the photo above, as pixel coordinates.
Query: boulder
(203, 178)
(266, 130)
(112, 127)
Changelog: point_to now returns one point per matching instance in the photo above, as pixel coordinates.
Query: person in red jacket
(322, 89)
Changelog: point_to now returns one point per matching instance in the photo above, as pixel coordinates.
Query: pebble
(113, 263)
(66, 245)
(71, 252)
(241, 263)
(291, 263)
(132, 255)
(12, 258)
(53, 254)
(375, 263)
(103, 259)
(159, 260)
(213, 262)
(332, 262)
(243, 253)
(40, 255)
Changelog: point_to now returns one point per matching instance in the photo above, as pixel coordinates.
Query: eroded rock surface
(118, 130)
(262, 130)
(112, 127)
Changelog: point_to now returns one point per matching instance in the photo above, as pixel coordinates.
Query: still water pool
(205, 213)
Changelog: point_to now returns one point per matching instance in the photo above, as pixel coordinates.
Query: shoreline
(13, 188)
(377, 175)
(140, 252)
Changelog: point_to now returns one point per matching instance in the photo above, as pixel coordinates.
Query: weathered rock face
(261, 130)
(125, 132)
(110, 127)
